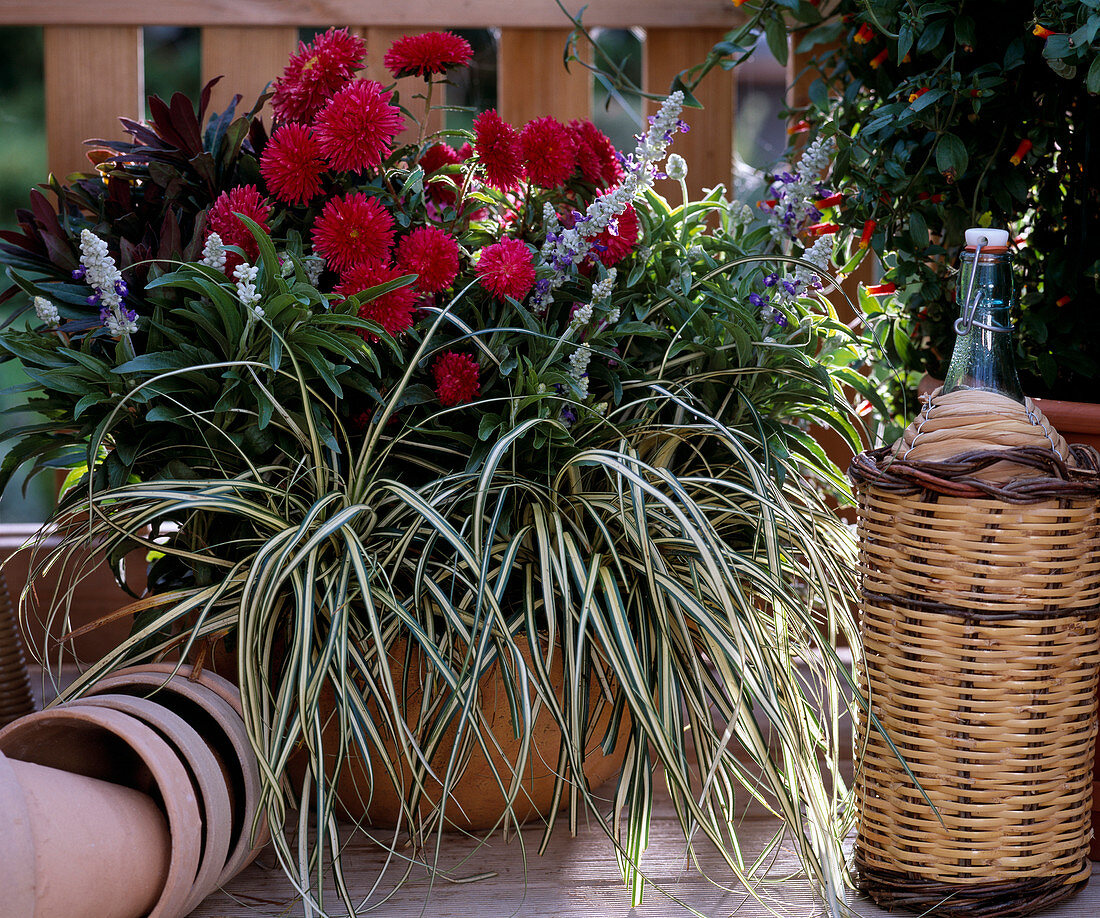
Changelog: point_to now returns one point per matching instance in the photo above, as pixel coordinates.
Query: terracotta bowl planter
(114, 747)
(212, 706)
(77, 847)
(476, 801)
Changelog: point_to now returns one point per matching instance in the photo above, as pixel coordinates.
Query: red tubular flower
(357, 126)
(1021, 151)
(1042, 32)
(456, 378)
(549, 152)
(597, 160)
(799, 127)
(879, 59)
(393, 310)
(934, 198)
(913, 96)
(1063, 300)
(831, 201)
(292, 165)
(315, 73)
(821, 229)
(423, 55)
(507, 269)
(864, 34)
(222, 219)
(497, 145)
(353, 230)
(770, 202)
(431, 253)
(882, 289)
(868, 232)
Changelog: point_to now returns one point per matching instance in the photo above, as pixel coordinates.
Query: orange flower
(882, 289)
(1021, 151)
(1042, 32)
(864, 35)
(868, 231)
(913, 96)
(879, 59)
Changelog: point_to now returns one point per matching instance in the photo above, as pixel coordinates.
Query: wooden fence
(94, 56)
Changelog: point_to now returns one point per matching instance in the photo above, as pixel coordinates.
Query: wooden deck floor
(576, 877)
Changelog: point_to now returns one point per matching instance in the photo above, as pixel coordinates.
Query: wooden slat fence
(94, 57)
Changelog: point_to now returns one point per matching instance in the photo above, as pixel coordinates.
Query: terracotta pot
(16, 699)
(476, 801)
(212, 705)
(207, 774)
(115, 747)
(1078, 422)
(77, 847)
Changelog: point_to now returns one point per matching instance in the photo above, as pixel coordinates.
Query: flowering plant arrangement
(497, 409)
(948, 116)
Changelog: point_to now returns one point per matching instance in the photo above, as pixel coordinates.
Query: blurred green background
(172, 64)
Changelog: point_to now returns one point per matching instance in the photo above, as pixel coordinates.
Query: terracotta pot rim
(180, 807)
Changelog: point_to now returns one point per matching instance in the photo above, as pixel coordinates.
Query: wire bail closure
(966, 321)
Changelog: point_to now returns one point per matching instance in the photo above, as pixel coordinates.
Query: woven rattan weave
(981, 627)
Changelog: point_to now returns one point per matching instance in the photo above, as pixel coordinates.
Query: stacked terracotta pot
(139, 798)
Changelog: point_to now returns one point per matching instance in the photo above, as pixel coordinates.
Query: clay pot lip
(242, 853)
(181, 809)
(202, 765)
(16, 842)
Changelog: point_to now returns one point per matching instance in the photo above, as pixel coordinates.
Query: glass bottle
(984, 357)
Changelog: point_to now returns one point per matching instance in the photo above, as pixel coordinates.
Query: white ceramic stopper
(988, 238)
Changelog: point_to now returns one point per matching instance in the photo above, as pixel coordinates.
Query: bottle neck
(984, 356)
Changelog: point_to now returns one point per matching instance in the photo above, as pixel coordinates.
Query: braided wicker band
(980, 617)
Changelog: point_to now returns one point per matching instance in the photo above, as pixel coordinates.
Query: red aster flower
(456, 378)
(422, 55)
(357, 126)
(597, 159)
(549, 152)
(353, 230)
(291, 164)
(393, 310)
(222, 219)
(315, 73)
(613, 247)
(507, 269)
(497, 145)
(432, 160)
(431, 253)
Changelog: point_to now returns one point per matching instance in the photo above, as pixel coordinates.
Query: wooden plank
(532, 80)
(708, 146)
(247, 58)
(94, 75)
(378, 43)
(408, 14)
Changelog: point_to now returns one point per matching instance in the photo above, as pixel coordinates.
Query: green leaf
(775, 32)
(819, 95)
(951, 156)
(1092, 81)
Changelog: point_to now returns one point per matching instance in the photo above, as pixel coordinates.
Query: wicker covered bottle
(979, 538)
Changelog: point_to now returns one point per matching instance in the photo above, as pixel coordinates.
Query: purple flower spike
(771, 280)
(78, 273)
(779, 319)
(757, 300)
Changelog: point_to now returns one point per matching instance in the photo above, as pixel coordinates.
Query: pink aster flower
(432, 160)
(433, 254)
(353, 230)
(423, 55)
(507, 269)
(357, 126)
(393, 310)
(597, 159)
(549, 152)
(291, 164)
(222, 219)
(497, 145)
(456, 378)
(315, 73)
